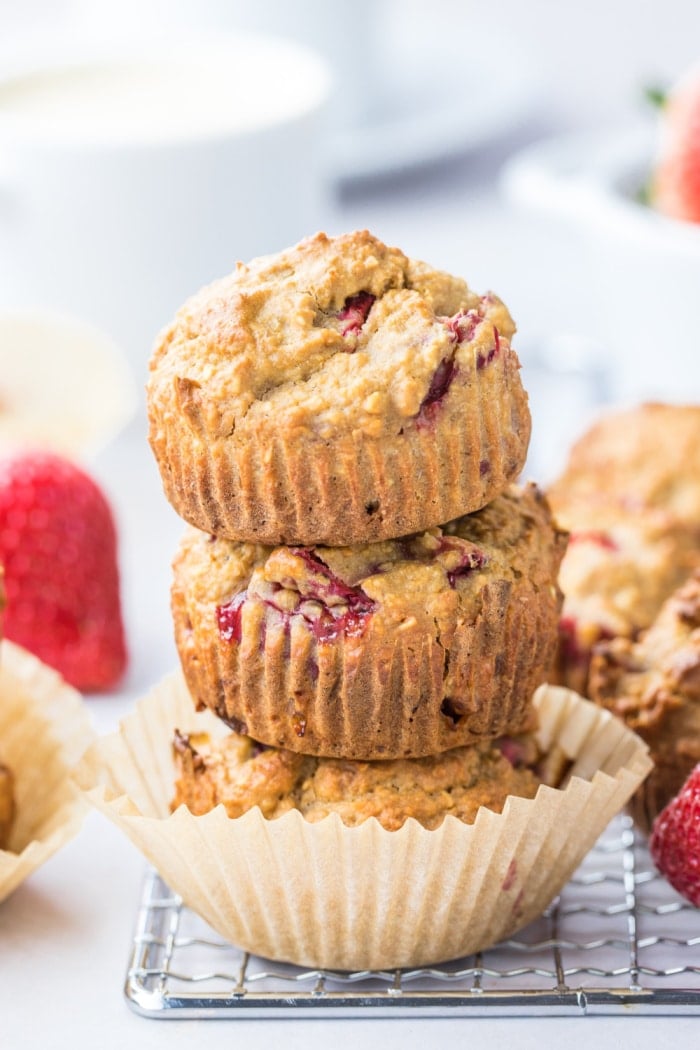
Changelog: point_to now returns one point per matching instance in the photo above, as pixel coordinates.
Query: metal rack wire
(617, 940)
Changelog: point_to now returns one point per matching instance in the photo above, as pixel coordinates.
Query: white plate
(640, 298)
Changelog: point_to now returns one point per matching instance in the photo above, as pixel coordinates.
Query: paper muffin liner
(267, 485)
(327, 895)
(44, 730)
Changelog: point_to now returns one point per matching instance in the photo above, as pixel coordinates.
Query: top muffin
(336, 393)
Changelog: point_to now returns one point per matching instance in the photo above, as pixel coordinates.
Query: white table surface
(65, 935)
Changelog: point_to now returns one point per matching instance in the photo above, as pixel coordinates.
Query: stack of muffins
(363, 605)
(363, 598)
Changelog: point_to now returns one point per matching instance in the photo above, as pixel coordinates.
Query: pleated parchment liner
(345, 898)
(44, 730)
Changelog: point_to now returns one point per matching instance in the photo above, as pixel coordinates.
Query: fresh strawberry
(58, 548)
(675, 840)
(675, 187)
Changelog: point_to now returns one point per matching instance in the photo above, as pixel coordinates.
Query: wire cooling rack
(617, 940)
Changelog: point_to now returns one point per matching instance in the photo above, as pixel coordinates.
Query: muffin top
(646, 456)
(436, 574)
(240, 774)
(334, 333)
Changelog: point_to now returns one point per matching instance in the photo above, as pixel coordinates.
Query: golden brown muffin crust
(267, 341)
(397, 649)
(336, 393)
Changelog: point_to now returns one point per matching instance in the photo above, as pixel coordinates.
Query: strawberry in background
(675, 840)
(675, 188)
(58, 547)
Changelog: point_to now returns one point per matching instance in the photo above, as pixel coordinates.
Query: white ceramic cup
(129, 178)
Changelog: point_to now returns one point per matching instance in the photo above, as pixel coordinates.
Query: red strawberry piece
(675, 840)
(593, 536)
(58, 547)
(462, 326)
(676, 183)
(322, 584)
(354, 312)
(437, 391)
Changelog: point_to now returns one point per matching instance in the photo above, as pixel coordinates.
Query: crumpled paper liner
(326, 895)
(44, 730)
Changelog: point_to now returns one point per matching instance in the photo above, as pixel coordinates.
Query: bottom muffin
(240, 773)
(352, 898)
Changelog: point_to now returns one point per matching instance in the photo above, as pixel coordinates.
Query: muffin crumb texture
(239, 773)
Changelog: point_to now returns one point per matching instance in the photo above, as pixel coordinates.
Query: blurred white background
(429, 100)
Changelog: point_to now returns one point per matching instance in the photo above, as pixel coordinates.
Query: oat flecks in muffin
(400, 648)
(7, 805)
(240, 774)
(654, 686)
(336, 393)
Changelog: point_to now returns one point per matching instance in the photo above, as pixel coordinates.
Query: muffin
(336, 393)
(630, 497)
(400, 648)
(646, 456)
(618, 570)
(325, 894)
(654, 686)
(238, 773)
(7, 805)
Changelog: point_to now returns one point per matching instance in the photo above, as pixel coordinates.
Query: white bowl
(132, 174)
(644, 268)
